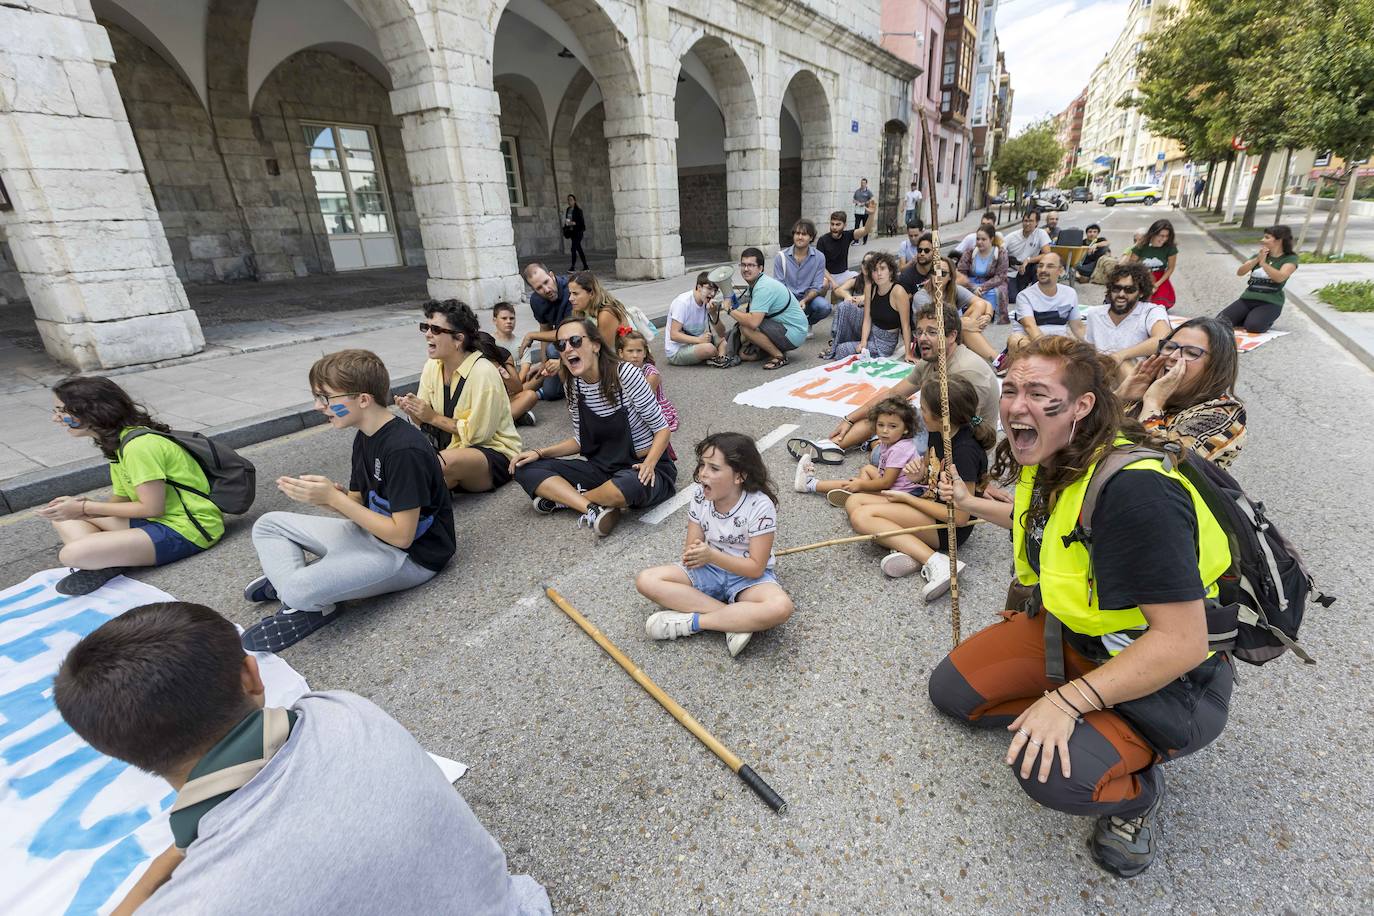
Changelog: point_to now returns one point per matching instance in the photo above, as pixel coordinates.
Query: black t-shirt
(836, 250)
(1145, 542)
(911, 279)
(969, 458)
(396, 469)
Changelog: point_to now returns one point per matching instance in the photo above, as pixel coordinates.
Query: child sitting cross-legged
(894, 421)
(725, 581)
(895, 508)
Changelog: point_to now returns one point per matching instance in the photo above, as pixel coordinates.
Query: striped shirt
(646, 417)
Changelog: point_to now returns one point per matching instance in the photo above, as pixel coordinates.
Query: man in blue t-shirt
(550, 304)
(769, 317)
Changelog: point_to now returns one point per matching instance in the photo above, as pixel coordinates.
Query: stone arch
(890, 177)
(750, 162)
(523, 118)
(807, 97)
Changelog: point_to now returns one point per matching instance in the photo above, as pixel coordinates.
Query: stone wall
(317, 86)
(537, 223)
(11, 284)
(702, 203)
(591, 180)
(204, 227)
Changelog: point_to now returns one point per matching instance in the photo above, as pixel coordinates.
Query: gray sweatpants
(352, 563)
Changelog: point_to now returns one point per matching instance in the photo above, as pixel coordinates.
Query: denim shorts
(168, 545)
(724, 586)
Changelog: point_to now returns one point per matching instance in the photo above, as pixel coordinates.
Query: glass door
(352, 198)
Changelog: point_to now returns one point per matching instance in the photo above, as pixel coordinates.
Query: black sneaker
(1125, 846)
(283, 629)
(84, 581)
(600, 519)
(259, 590)
(526, 419)
(544, 505)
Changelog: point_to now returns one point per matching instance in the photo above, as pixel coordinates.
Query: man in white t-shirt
(913, 206)
(1129, 326)
(906, 252)
(689, 341)
(1046, 307)
(1024, 251)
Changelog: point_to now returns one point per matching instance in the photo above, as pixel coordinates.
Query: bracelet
(83, 507)
(1070, 703)
(1088, 684)
(1087, 699)
(539, 453)
(1057, 705)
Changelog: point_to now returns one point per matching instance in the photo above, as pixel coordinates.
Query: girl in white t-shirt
(725, 579)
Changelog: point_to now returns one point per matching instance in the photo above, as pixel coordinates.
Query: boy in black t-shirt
(397, 525)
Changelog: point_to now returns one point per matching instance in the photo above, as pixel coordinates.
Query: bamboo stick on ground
(855, 539)
(746, 773)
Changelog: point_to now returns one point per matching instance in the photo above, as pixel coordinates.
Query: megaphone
(721, 276)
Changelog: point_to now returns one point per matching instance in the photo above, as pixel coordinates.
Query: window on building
(944, 102)
(930, 65)
(940, 162)
(951, 66)
(954, 165)
(348, 183)
(510, 156)
(954, 7)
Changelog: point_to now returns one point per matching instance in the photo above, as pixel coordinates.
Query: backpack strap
(179, 488)
(1107, 468)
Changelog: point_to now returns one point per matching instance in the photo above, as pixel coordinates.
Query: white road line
(663, 510)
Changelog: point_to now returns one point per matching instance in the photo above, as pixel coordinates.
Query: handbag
(567, 232)
(441, 438)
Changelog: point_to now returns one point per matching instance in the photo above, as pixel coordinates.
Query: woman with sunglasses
(618, 428)
(153, 517)
(462, 404)
(1186, 391)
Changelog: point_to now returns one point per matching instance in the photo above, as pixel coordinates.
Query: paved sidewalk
(1353, 330)
(249, 384)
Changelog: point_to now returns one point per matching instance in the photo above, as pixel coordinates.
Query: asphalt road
(596, 792)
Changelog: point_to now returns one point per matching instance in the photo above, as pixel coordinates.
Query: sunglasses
(574, 342)
(1186, 352)
(1118, 288)
(427, 328)
(926, 250)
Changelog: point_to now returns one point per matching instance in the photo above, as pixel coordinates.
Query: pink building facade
(914, 30)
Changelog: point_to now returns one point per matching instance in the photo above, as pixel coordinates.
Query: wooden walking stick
(864, 537)
(939, 279)
(746, 773)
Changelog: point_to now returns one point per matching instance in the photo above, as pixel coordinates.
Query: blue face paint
(338, 410)
(71, 421)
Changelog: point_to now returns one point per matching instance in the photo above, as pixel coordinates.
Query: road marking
(663, 510)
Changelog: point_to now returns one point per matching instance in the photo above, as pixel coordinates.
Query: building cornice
(827, 31)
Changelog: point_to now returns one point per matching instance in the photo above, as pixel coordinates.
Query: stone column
(751, 189)
(643, 161)
(84, 231)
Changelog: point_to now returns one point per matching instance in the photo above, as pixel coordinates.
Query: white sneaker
(897, 564)
(806, 472)
(736, 642)
(669, 625)
(936, 574)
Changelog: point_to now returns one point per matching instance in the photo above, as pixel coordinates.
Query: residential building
(1070, 134)
(987, 130)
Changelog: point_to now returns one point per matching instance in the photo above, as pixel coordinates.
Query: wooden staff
(746, 773)
(939, 279)
(864, 537)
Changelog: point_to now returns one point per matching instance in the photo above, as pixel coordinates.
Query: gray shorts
(686, 355)
(777, 334)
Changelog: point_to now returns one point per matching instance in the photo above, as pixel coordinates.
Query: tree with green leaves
(1035, 149)
(1075, 179)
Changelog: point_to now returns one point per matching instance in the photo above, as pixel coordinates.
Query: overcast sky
(1052, 47)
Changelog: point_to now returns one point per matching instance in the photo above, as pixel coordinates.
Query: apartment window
(510, 156)
(940, 162)
(954, 7)
(954, 164)
(951, 62)
(944, 103)
(930, 65)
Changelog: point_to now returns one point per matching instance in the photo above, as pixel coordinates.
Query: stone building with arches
(147, 146)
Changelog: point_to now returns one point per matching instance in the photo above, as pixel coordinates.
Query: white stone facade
(91, 243)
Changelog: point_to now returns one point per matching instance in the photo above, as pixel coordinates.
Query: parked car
(999, 199)
(1133, 194)
(1050, 199)
(1081, 195)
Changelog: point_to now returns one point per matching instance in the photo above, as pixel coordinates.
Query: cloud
(1051, 50)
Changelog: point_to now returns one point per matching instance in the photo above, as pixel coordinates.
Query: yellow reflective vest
(1067, 589)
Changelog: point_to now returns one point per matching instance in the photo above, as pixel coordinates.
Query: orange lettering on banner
(853, 392)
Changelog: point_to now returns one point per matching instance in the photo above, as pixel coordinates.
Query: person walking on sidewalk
(862, 197)
(396, 529)
(1259, 306)
(158, 513)
(574, 228)
(912, 217)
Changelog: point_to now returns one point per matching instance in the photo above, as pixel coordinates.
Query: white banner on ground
(79, 826)
(834, 388)
(1245, 341)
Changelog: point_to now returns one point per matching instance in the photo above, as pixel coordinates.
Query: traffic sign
(1160, 156)
(1239, 144)
(1032, 175)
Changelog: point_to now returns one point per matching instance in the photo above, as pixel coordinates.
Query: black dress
(578, 225)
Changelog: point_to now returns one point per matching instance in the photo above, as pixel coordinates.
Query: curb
(38, 487)
(1316, 314)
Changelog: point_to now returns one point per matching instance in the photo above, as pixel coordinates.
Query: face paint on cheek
(338, 410)
(72, 422)
(1055, 408)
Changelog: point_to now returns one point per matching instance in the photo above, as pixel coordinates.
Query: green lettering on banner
(879, 368)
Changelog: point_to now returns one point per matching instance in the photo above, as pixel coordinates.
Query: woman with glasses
(1186, 391)
(154, 517)
(984, 269)
(462, 403)
(618, 429)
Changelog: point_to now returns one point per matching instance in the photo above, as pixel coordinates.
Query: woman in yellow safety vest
(1114, 676)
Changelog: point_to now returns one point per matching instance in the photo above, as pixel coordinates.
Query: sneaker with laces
(897, 564)
(806, 472)
(526, 419)
(669, 625)
(544, 505)
(259, 590)
(84, 581)
(736, 642)
(936, 574)
(1125, 846)
(600, 519)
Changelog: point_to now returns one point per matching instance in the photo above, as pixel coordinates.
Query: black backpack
(1262, 596)
(232, 477)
